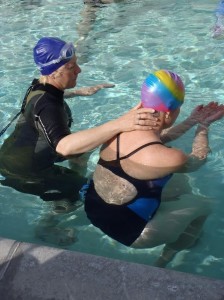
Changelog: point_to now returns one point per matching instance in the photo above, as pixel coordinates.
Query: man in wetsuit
(42, 135)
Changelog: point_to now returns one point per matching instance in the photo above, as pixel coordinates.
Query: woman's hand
(211, 113)
(195, 115)
(207, 114)
(138, 119)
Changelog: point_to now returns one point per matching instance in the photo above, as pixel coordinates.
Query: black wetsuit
(125, 222)
(28, 155)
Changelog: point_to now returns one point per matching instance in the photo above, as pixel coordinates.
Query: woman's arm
(200, 146)
(200, 150)
(198, 115)
(172, 133)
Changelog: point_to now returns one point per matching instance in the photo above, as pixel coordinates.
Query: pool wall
(34, 272)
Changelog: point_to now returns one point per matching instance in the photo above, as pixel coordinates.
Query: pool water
(118, 43)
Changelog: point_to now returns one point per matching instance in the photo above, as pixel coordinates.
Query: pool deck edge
(34, 272)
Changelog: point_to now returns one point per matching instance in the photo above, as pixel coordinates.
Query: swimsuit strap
(134, 151)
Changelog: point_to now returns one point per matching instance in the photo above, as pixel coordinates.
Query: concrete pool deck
(34, 272)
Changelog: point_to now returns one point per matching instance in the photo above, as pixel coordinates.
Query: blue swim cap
(51, 53)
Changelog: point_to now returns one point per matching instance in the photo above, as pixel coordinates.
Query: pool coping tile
(34, 272)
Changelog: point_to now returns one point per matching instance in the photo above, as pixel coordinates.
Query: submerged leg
(177, 224)
(50, 228)
(186, 240)
(62, 193)
(50, 232)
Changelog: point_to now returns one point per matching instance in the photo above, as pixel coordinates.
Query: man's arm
(87, 91)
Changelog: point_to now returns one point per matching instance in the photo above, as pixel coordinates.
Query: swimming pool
(140, 37)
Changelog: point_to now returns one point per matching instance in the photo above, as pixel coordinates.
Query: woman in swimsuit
(124, 197)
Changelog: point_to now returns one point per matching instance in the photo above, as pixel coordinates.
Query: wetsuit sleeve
(52, 119)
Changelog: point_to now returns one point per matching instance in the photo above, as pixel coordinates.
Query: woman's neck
(140, 136)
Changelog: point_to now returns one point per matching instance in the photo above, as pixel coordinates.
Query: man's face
(70, 73)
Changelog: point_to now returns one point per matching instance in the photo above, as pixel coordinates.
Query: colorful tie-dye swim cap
(162, 90)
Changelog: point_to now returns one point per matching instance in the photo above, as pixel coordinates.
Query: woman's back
(142, 155)
(125, 172)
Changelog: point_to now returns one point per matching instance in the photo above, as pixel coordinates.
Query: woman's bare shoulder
(173, 157)
(154, 162)
(162, 158)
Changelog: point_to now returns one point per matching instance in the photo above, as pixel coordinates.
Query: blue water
(123, 43)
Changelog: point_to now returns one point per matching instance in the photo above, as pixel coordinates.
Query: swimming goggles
(66, 53)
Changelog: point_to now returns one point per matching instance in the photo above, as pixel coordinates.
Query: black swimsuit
(125, 222)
